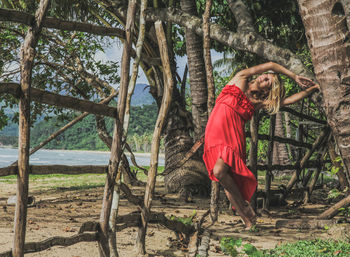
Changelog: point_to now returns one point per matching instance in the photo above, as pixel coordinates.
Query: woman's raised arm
(298, 96)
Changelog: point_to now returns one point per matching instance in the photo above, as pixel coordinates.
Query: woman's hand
(304, 82)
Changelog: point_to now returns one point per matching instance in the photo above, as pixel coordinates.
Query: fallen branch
(32, 247)
(204, 245)
(304, 223)
(332, 211)
(133, 220)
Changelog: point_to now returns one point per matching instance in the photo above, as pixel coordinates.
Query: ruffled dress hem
(244, 178)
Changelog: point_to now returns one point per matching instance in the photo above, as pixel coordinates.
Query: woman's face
(265, 81)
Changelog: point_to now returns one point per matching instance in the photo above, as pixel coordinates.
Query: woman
(224, 147)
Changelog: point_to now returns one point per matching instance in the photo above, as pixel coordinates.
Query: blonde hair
(272, 102)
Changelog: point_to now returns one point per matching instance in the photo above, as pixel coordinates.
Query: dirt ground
(61, 212)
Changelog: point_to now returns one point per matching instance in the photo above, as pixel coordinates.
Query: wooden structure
(99, 231)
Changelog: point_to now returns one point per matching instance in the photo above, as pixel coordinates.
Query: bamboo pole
(268, 176)
(116, 149)
(27, 59)
(166, 100)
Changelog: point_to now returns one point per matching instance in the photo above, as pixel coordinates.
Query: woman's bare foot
(250, 216)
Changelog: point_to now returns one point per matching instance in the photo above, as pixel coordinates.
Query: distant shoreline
(91, 151)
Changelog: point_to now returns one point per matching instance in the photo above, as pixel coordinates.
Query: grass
(69, 182)
(302, 248)
(310, 248)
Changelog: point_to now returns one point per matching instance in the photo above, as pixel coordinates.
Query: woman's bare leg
(221, 172)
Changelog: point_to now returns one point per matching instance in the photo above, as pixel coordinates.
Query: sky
(115, 54)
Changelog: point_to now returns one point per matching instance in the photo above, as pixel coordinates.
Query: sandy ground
(61, 213)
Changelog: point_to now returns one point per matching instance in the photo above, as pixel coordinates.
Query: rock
(13, 199)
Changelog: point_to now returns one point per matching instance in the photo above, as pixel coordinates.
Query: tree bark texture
(151, 180)
(280, 154)
(26, 65)
(196, 66)
(328, 39)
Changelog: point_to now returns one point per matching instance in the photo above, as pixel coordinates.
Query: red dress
(225, 138)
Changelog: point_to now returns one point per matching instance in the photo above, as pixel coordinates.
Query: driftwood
(69, 102)
(166, 100)
(332, 211)
(32, 247)
(304, 223)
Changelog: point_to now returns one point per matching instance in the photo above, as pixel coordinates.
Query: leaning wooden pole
(116, 149)
(215, 187)
(268, 177)
(130, 91)
(168, 84)
(27, 59)
(318, 142)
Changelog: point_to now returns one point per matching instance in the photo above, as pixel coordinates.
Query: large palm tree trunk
(196, 67)
(192, 177)
(328, 38)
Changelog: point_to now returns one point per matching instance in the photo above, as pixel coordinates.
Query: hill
(83, 135)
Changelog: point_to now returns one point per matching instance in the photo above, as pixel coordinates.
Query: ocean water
(68, 157)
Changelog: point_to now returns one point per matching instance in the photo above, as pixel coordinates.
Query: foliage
(316, 247)
(234, 247)
(83, 135)
(64, 62)
(185, 220)
(302, 248)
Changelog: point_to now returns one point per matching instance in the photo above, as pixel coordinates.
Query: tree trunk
(280, 154)
(27, 60)
(328, 38)
(192, 177)
(198, 80)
